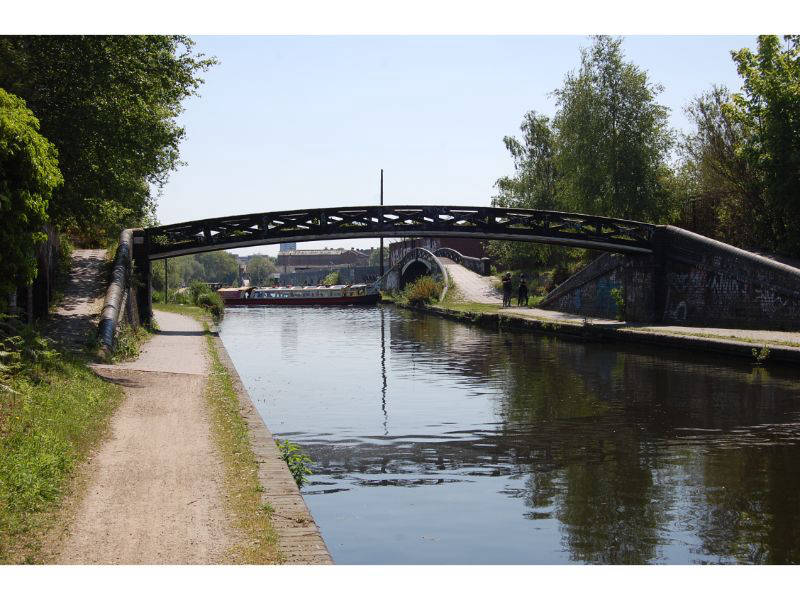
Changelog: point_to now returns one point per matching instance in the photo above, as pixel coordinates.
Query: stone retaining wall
(689, 280)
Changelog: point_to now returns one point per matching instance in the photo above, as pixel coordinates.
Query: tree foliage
(604, 153)
(109, 104)
(612, 137)
(717, 191)
(740, 176)
(220, 267)
(259, 269)
(533, 185)
(28, 175)
(768, 111)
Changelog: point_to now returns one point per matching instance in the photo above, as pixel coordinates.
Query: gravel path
(77, 313)
(471, 286)
(155, 490)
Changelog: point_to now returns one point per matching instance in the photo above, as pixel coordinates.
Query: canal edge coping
(299, 539)
(595, 332)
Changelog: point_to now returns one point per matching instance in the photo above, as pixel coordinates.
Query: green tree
(183, 270)
(718, 193)
(109, 104)
(219, 267)
(612, 137)
(768, 109)
(28, 175)
(533, 185)
(259, 269)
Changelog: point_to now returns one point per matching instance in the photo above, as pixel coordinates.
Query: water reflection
(510, 448)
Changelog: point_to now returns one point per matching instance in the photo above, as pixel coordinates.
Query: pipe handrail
(115, 295)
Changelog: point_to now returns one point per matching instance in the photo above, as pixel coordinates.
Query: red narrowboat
(300, 295)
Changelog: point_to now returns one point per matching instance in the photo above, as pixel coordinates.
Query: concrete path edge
(300, 541)
(604, 333)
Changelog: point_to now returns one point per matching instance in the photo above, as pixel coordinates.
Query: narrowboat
(300, 295)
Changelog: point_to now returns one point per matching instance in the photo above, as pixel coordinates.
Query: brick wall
(690, 280)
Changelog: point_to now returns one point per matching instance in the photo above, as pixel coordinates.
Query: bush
(198, 288)
(28, 174)
(212, 302)
(181, 298)
(331, 278)
(424, 290)
(296, 461)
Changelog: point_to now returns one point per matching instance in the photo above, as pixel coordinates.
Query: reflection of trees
(589, 426)
(751, 508)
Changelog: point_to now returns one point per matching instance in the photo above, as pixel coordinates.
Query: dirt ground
(155, 487)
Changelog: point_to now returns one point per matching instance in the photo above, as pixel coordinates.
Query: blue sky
(289, 122)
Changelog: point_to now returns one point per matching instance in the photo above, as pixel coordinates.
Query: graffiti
(679, 312)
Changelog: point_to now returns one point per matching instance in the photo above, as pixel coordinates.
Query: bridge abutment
(142, 281)
(688, 279)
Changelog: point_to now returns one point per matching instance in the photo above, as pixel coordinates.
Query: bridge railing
(486, 222)
(481, 266)
(119, 296)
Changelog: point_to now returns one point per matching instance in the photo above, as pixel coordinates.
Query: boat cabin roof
(288, 288)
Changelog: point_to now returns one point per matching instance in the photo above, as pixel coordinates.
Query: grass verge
(243, 490)
(188, 310)
(55, 415)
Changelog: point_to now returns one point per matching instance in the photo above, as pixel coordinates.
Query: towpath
(75, 316)
(476, 288)
(155, 489)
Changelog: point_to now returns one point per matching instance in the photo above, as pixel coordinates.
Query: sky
(287, 122)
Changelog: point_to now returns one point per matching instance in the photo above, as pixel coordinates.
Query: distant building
(291, 261)
(467, 246)
(286, 246)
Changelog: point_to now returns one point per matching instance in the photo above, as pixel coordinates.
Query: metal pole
(381, 250)
(166, 283)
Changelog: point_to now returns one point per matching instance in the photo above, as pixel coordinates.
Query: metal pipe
(114, 295)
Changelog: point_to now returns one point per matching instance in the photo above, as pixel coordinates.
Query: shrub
(198, 288)
(618, 295)
(424, 290)
(212, 302)
(181, 298)
(331, 278)
(28, 174)
(295, 459)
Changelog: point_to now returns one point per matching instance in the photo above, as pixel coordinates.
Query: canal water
(436, 442)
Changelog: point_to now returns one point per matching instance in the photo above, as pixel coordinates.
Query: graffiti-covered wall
(710, 283)
(691, 280)
(590, 292)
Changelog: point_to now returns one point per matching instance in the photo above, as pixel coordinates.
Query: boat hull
(335, 301)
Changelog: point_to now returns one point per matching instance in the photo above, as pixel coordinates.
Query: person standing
(506, 290)
(522, 296)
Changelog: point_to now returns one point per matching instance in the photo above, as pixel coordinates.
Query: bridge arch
(485, 222)
(413, 270)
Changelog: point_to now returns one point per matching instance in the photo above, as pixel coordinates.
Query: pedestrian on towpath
(506, 290)
(522, 295)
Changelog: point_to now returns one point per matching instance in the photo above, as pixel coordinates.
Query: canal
(436, 442)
